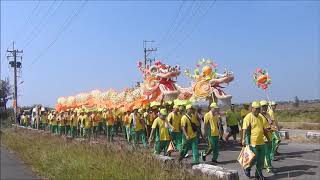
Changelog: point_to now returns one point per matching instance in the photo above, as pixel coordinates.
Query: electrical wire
(66, 24)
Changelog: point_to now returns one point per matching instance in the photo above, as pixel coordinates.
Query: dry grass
(300, 125)
(54, 158)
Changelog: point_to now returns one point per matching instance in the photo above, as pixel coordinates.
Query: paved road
(297, 161)
(13, 168)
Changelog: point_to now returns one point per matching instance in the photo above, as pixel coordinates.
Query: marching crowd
(170, 125)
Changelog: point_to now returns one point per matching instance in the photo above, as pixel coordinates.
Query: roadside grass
(299, 115)
(306, 117)
(299, 125)
(53, 157)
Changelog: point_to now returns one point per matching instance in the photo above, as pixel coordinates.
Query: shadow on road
(296, 154)
(293, 171)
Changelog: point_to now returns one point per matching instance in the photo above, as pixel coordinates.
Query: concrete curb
(215, 171)
(284, 134)
(313, 135)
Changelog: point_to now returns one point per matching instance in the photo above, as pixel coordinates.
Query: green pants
(276, 139)
(110, 132)
(128, 133)
(161, 145)
(213, 147)
(54, 129)
(61, 130)
(74, 131)
(177, 138)
(258, 150)
(100, 127)
(87, 132)
(190, 144)
(267, 159)
(68, 130)
(82, 132)
(140, 135)
(94, 131)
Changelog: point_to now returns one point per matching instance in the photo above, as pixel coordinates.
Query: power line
(28, 20)
(180, 21)
(189, 35)
(173, 20)
(33, 34)
(189, 20)
(62, 29)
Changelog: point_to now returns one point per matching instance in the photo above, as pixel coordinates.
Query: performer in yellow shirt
(174, 118)
(267, 139)
(189, 136)
(243, 112)
(138, 127)
(68, 121)
(110, 118)
(233, 120)
(211, 119)
(253, 124)
(54, 123)
(163, 125)
(276, 138)
(74, 124)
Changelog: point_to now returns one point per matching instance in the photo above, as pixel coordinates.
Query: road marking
(298, 159)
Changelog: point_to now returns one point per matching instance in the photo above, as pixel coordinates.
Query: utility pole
(15, 64)
(147, 52)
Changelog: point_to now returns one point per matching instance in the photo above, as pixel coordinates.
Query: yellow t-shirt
(126, 120)
(139, 125)
(68, 120)
(163, 130)
(273, 117)
(54, 120)
(232, 118)
(87, 121)
(150, 118)
(185, 122)
(24, 118)
(175, 120)
(213, 122)
(109, 119)
(96, 120)
(61, 120)
(267, 125)
(195, 120)
(43, 118)
(74, 120)
(257, 125)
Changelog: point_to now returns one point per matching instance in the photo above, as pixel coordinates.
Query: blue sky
(100, 47)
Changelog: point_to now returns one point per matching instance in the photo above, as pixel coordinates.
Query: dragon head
(158, 81)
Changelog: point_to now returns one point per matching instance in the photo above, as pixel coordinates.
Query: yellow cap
(154, 103)
(255, 104)
(175, 106)
(214, 105)
(189, 106)
(264, 103)
(140, 110)
(181, 108)
(163, 112)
